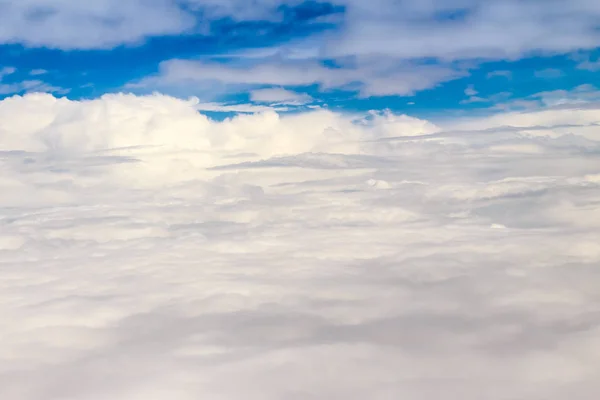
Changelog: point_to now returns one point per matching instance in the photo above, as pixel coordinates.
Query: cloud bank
(148, 252)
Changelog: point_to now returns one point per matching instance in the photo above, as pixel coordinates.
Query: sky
(271, 199)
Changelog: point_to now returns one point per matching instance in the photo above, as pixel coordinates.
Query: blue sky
(431, 59)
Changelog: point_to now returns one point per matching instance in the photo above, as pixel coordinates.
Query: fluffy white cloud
(70, 24)
(148, 252)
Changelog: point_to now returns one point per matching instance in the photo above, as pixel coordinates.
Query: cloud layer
(438, 28)
(148, 252)
(370, 77)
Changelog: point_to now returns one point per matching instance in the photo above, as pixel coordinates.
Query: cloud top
(149, 252)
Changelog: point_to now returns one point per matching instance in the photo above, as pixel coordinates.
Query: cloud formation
(370, 77)
(148, 252)
(10, 85)
(405, 29)
(459, 29)
(279, 95)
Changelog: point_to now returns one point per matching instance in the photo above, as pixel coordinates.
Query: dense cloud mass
(148, 252)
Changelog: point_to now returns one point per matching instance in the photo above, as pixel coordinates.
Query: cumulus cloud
(149, 252)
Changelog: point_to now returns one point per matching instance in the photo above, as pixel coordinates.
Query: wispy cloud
(590, 65)
(579, 95)
(5, 71)
(279, 95)
(470, 91)
(237, 108)
(35, 72)
(501, 73)
(30, 86)
(369, 78)
(494, 98)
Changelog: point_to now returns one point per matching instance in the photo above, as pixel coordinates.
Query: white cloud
(11, 86)
(496, 98)
(68, 24)
(237, 108)
(5, 71)
(28, 86)
(470, 91)
(327, 255)
(580, 95)
(35, 72)
(589, 65)
(371, 77)
(279, 95)
(402, 29)
(493, 29)
(585, 61)
(500, 73)
(474, 99)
